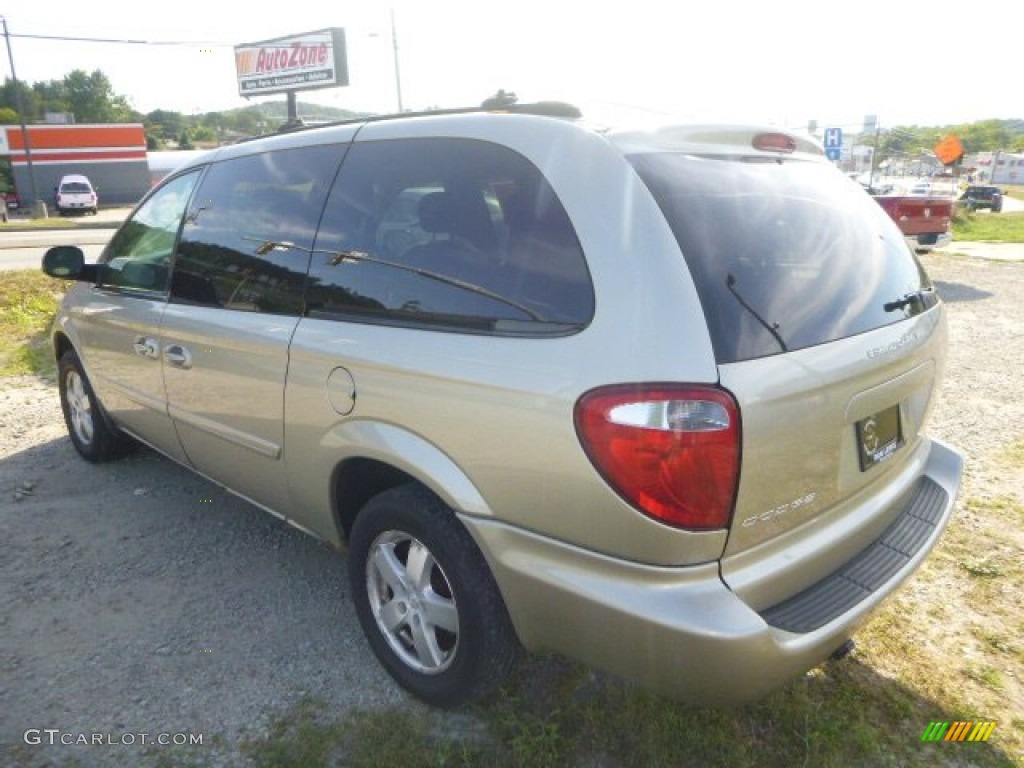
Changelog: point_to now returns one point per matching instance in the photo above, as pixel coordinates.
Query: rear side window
(784, 254)
(448, 233)
(246, 242)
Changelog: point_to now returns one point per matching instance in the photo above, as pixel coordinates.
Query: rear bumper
(682, 631)
(927, 242)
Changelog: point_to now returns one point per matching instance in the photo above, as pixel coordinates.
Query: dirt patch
(140, 599)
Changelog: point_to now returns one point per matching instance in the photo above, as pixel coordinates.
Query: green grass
(984, 225)
(1005, 508)
(28, 301)
(1016, 192)
(841, 714)
(305, 737)
(47, 223)
(55, 222)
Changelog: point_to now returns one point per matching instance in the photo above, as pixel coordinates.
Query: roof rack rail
(560, 109)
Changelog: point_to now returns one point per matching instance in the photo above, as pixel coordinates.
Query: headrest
(438, 213)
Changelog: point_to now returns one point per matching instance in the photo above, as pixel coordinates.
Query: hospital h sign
(833, 143)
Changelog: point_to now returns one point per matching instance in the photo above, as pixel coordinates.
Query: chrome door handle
(178, 356)
(146, 347)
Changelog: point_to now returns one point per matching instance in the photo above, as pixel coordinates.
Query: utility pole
(398, 73)
(874, 159)
(38, 206)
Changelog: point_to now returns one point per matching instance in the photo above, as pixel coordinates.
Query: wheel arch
(357, 480)
(61, 344)
(383, 456)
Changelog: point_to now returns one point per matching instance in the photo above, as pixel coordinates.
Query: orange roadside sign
(949, 150)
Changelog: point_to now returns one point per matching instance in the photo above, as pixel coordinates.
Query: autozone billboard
(298, 62)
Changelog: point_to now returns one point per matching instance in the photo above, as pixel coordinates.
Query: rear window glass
(75, 186)
(785, 254)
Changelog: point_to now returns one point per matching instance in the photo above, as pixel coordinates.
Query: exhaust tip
(843, 651)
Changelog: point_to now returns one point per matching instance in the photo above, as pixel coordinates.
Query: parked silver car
(651, 399)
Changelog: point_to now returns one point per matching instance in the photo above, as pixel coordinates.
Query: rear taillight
(672, 451)
(775, 142)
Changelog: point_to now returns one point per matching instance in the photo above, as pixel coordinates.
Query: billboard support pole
(293, 112)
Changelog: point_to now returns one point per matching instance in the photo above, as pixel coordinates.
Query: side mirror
(67, 262)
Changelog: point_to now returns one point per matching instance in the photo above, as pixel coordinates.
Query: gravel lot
(138, 598)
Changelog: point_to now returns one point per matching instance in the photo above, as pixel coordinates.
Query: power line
(122, 41)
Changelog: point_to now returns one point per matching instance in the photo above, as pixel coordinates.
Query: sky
(910, 62)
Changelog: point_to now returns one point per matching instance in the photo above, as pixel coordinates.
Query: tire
(90, 433)
(426, 599)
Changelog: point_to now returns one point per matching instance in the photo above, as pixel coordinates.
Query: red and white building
(112, 156)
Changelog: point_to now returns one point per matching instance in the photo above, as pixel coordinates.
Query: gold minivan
(652, 399)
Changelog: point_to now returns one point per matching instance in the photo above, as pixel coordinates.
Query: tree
(8, 116)
(203, 133)
(92, 99)
(29, 99)
(51, 96)
(501, 99)
(163, 124)
(89, 97)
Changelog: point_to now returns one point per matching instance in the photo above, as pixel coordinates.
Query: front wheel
(426, 599)
(92, 436)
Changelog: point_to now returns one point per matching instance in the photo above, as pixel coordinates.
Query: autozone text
(295, 56)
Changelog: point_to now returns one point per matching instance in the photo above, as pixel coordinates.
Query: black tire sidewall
(483, 656)
(104, 441)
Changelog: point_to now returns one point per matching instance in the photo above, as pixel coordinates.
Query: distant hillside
(173, 130)
(278, 110)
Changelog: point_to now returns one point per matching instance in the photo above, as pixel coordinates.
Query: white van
(76, 194)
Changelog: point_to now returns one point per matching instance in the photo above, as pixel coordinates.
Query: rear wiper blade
(772, 328)
(916, 297)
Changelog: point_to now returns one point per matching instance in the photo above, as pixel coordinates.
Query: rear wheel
(92, 437)
(426, 599)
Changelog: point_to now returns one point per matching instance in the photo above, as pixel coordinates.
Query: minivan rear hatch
(825, 329)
